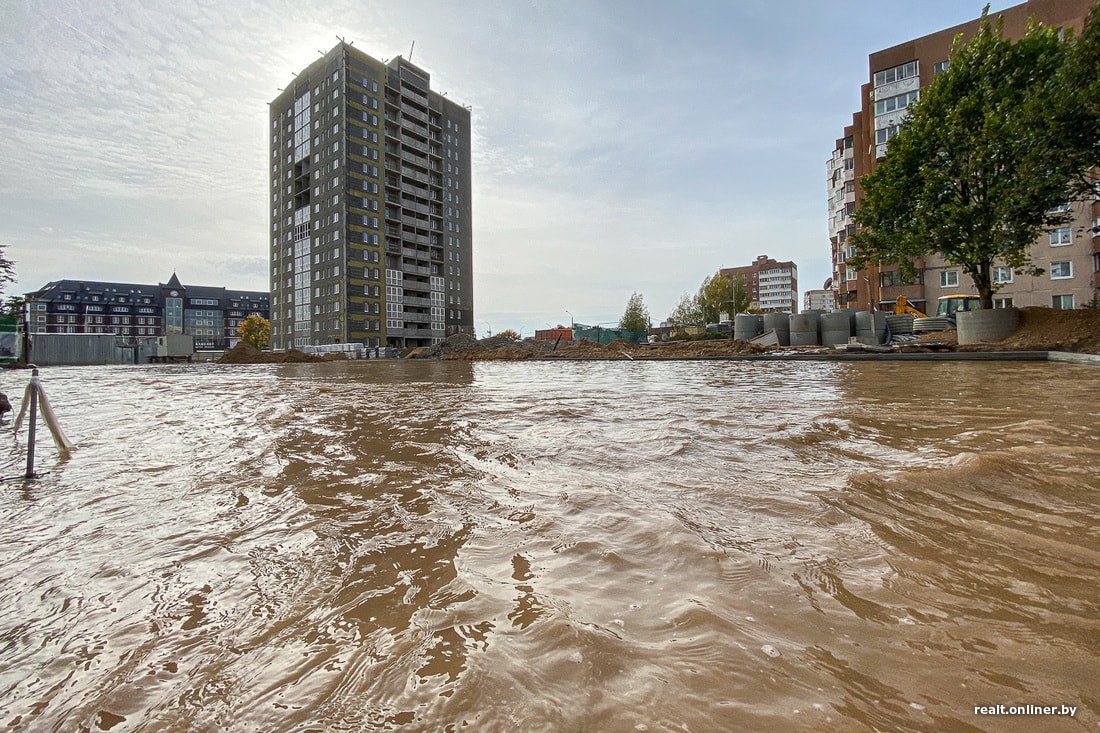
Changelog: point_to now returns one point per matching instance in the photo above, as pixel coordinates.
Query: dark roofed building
(136, 312)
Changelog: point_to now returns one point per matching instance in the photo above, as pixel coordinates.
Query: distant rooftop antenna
(411, 50)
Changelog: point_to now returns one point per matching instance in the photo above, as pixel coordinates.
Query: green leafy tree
(986, 158)
(742, 299)
(7, 270)
(255, 330)
(13, 306)
(687, 312)
(636, 316)
(1078, 117)
(716, 296)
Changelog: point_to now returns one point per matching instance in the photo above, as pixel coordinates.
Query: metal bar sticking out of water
(31, 401)
(32, 389)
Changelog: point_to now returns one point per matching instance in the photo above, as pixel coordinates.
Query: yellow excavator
(901, 306)
(948, 305)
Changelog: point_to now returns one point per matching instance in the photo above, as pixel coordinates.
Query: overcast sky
(618, 145)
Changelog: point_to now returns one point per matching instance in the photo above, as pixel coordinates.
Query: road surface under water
(582, 546)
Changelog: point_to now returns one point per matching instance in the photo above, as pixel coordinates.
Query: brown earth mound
(932, 341)
(504, 353)
(1047, 329)
(717, 347)
(494, 349)
(676, 350)
(585, 349)
(456, 343)
(293, 356)
(244, 353)
(464, 347)
(1040, 329)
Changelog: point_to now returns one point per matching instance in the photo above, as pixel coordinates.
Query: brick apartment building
(1069, 255)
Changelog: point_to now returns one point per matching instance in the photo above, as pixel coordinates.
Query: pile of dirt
(244, 353)
(585, 349)
(293, 356)
(457, 343)
(932, 341)
(675, 350)
(504, 353)
(1048, 329)
(464, 347)
(1040, 329)
(711, 348)
(461, 347)
(500, 342)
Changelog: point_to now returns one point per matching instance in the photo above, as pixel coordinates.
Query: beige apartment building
(773, 286)
(819, 300)
(1069, 255)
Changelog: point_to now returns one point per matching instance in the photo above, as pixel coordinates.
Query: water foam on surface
(611, 546)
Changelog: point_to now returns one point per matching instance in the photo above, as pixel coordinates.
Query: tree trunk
(983, 281)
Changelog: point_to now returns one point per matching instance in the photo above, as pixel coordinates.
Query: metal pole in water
(31, 425)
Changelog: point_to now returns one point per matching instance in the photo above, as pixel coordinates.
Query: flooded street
(584, 546)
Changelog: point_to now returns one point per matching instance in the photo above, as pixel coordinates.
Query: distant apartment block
(1068, 255)
(819, 300)
(773, 286)
(136, 312)
(371, 230)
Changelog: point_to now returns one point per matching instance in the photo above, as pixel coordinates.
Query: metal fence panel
(56, 349)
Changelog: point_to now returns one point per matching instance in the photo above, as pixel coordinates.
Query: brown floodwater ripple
(584, 546)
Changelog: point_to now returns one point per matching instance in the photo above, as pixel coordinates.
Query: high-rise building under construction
(371, 232)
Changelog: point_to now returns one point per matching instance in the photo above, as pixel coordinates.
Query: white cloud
(617, 146)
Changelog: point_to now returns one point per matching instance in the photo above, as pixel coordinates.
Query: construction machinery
(946, 308)
(902, 307)
(949, 305)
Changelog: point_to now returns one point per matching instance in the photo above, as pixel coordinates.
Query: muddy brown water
(691, 546)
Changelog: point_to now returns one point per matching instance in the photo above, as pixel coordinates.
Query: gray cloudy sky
(618, 146)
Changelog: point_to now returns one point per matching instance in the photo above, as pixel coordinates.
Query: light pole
(570, 321)
(488, 329)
